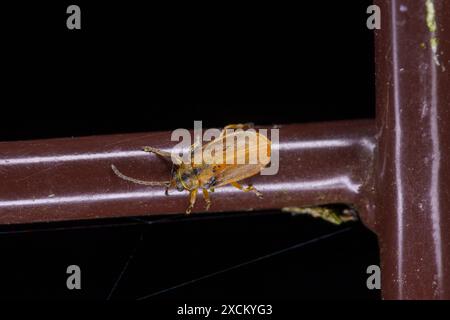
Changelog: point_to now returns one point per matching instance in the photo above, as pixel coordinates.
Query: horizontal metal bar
(67, 179)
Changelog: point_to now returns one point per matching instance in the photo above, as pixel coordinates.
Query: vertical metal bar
(413, 158)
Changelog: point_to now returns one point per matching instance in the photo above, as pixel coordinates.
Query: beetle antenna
(145, 183)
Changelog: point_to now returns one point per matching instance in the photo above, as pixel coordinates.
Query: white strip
(298, 145)
(72, 157)
(398, 150)
(435, 168)
(340, 182)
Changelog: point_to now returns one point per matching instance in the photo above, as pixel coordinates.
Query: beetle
(221, 168)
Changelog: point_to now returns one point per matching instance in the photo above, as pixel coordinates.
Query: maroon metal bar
(63, 179)
(413, 158)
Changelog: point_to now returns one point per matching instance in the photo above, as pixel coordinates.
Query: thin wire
(140, 222)
(70, 228)
(202, 217)
(267, 256)
(125, 267)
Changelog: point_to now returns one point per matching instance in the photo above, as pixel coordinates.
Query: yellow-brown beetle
(221, 168)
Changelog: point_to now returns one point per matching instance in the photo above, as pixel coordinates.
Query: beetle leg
(207, 199)
(192, 198)
(166, 192)
(164, 154)
(161, 153)
(248, 189)
(172, 182)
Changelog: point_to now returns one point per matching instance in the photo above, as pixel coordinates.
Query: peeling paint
(431, 16)
(432, 27)
(329, 214)
(434, 44)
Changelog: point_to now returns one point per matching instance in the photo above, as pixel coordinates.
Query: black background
(134, 68)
